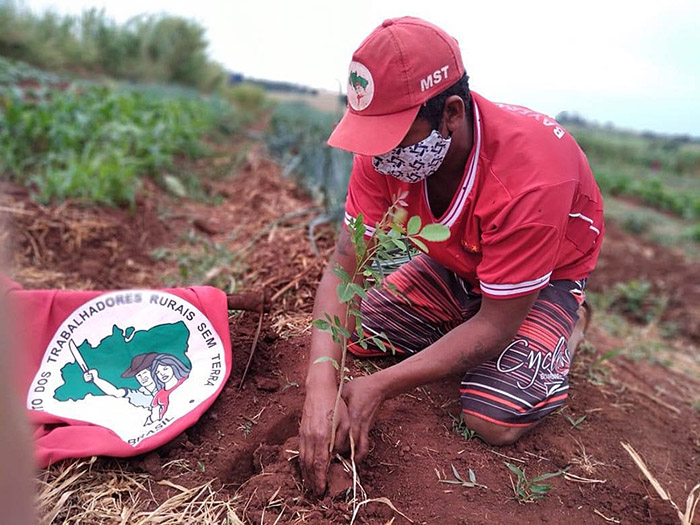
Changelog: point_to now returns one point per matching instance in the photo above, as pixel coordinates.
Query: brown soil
(246, 441)
(627, 258)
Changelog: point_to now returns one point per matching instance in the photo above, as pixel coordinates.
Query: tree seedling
(530, 490)
(388, 237)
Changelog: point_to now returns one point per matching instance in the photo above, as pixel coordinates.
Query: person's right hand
(89, 376)
(315, 436)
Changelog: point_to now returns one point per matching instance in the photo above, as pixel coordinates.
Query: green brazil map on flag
(114, 355)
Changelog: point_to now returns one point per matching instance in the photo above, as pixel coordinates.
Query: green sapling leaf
(328, 359)
(419, 244)
(357, 289)
(549, 475)
(321, 324)
(345, 292)
(380, 344)
(435, 232)
(413, 226)
(400, 244)
(341, 273)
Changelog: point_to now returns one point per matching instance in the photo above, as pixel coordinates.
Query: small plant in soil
(389, 237)
(575, 422)
(637, 300)
(471, 483)
(460, 427)
(201, 261)
(530, 490)
(598, 372)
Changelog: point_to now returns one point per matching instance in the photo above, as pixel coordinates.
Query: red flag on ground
(116, 373)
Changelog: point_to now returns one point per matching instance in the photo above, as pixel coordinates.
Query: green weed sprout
(461, 481)
(575, 422)
(460, 427)
(389, 237)
(530, 490)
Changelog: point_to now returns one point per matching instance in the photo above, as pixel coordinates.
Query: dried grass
(198, 505)
(585, 461)
(287, 325)
(74, 492)
(79, 492)
(686, 518)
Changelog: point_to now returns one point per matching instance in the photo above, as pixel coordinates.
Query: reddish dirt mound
(247, 440)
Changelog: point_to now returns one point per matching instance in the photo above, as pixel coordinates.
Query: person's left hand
(363, 397)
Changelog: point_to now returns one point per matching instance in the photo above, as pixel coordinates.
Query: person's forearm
(322, 344)
(463, 348)
(108, 388)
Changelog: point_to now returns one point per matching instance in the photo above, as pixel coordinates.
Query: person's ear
(454, 113)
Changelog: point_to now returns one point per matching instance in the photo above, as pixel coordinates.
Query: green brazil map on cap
(114, 354)
(356, 79)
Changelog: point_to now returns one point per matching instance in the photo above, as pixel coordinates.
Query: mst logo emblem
(360, 86)
(132, 361)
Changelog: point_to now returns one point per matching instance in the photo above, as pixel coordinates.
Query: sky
(635, 64)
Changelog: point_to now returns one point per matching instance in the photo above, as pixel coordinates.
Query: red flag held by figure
(116, 373)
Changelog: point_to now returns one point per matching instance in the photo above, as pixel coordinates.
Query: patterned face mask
(415, 162)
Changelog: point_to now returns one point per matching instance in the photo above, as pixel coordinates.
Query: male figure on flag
(499, 300)
(140, 368)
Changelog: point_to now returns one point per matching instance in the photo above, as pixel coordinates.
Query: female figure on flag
(168, 373)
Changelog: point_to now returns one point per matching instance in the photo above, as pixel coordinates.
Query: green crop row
(680, 155)
(94, 143)
(651, 192)
(297, 136)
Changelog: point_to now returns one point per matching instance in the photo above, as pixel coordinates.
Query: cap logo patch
(360, 86)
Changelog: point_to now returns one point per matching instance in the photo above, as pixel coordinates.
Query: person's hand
(363, 397)
(89, 376)
(315, 436)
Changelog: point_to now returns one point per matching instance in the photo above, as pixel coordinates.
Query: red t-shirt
(528, 210)
(162, 397)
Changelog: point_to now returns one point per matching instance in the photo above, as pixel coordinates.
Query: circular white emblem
(133, 361)
(360, 86)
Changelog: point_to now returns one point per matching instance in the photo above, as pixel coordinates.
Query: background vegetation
(96, 141)
(659, 171)
(163, 49)
(297, 136)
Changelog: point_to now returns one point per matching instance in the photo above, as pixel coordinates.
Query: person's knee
(492, 433)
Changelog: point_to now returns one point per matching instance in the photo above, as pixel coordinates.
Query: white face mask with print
(415, 162)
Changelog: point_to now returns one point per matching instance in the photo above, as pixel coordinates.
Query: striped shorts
(525, 382)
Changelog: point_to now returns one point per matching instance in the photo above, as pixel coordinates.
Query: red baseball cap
(403, 63)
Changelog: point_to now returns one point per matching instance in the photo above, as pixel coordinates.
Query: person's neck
(443, 184)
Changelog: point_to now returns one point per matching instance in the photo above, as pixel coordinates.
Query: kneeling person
(497, 301)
